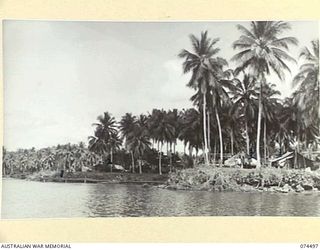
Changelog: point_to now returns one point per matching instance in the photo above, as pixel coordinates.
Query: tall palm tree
(127, 125)
(105, 139)
(244, 96)
(190, 129)
(138, 140)
(218, 89)
(270, 102)
(307, 80)
(201, 63)
(263, 52)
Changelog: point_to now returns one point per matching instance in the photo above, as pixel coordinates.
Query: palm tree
(307, 80)
(263, 52)
(201, 63)
(219, 95)
(244, 96)
(138, 141)
(127, 125)
(190, 130)
(161, 130)
(105, 139)
(269, 106)
(114, 143)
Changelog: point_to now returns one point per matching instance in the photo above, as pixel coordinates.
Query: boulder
(299, 188)
(307, 185)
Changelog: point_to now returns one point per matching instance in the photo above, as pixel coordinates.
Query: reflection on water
(25, 199)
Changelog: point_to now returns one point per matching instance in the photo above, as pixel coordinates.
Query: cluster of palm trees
(235, 110)
(70, 157)
(245, 93)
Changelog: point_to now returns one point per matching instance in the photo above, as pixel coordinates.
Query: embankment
(248, 180)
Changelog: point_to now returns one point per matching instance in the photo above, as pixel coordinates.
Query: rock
(307, 186)
(315, 189)
(145, 185)
(299, 188)
(247, 188)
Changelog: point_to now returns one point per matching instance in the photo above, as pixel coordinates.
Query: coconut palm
(307, 80)
(190, 129)
(244, 96)
(105, 139)
(202, 64)
(138, 140)
(270, 102)
(161, 130)
(262, 51)
(126, 125)
(218, 89)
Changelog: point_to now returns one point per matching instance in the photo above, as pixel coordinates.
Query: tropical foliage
(235, 110)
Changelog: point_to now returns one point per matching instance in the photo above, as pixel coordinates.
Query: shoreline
(206, 178)
(92, 177)
(201, 178)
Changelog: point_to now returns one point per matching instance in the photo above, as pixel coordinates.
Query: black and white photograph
(160, 119)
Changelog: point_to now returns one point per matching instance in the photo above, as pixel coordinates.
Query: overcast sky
(59, 76)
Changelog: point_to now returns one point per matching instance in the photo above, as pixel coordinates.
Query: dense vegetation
(234, 110)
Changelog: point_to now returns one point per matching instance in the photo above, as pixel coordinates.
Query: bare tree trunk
(231, 136)
(205, 150)
(132, 158)
(247, 138)
(265, 140)
(209, 141)
(170, 156)
(160, 171)
(111, 158)
(140, 167)
(259, 127)
(215, 151)
(220, 137)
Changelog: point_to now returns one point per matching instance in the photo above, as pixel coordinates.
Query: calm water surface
(27, 199)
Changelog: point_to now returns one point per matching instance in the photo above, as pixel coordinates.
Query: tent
(294, 160)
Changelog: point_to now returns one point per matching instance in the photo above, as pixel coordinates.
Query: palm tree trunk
(265, 140)
(160, 171)
(111, 158)
(215, 151)
(205, 150)
(140, 167)
(259, 127)
(220, 137)
(231, 136)
(209, 141)
(247, 138)
(132, 158)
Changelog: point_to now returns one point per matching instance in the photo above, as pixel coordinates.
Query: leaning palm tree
(201, 62)
(262, 51)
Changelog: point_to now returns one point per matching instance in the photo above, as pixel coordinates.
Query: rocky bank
(211, 178)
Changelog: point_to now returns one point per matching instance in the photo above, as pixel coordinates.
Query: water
(26, 199)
